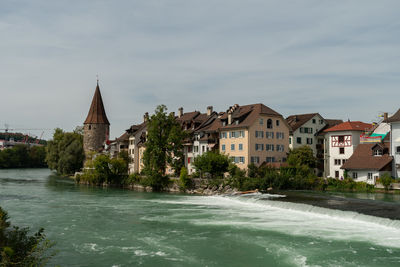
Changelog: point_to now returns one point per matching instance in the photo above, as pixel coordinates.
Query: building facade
(253, 134)
(394, 122)
(340, 143)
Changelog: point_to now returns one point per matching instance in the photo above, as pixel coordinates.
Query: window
(280, 148)
(283, 159)
(233, 134)
(195, 149)
(233, 147)
(259, 134)
(290, 140)
(378, 152)
(203, 148)
(314, 121)
(341, 150)
(189, 160)
(223, 135)
(269, 124)
(369, 176)
(90, 127)
(309, 141)
(355, 175)
(280, 135)
(241, 134)
(336, 174)
(259, 147)
(240, 146)
(190, 148)
(341, 138)
(398, 150)
(223, 147)
(269, 135)
(337, 161)
(255, 159)
(269, 147)
(298, 140)
(241, 159)
(261, 121)
(277, 122)
(270, 159)
(321, 121)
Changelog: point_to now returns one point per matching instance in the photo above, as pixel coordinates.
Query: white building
(303, 130)
(395, 143)
(340, 143)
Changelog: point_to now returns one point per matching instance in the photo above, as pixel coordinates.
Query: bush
(18, 248)
(156, 181)
(212, 163)
(184, 180)
(386, 181)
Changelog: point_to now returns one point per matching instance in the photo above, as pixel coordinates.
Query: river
(114, 227)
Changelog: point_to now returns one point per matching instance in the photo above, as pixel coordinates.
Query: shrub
(386, 181)
(184, 180)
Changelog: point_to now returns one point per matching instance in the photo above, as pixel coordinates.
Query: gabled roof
(395, 117)
(350, 126)
(247, 115)
(188, 116)
(363, 159)
(97, 114)
(298, 120)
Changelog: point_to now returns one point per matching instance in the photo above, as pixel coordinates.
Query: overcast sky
(338, 58)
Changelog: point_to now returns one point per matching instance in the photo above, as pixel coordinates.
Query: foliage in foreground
(386, 180)
(103, 169)
(23, 156)
(18, 248)
(65, 152)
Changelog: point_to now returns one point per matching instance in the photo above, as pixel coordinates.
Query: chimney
(229, 118)
(146, 117)
(385, 116)
(180, 112)
(209, 110)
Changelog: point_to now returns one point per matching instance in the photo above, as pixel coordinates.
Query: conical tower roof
(97, 114)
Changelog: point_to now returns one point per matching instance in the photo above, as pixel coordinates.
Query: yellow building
(254, 134)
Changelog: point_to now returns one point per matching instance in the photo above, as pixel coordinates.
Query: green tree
(163, 146)
(65, 152)
(184, 179)
(386, 181)
(302, 156)
(18, 248)
(212, 163)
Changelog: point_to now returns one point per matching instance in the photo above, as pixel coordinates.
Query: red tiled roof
(350, 126)
(97, 114)
(247, 115)
(395, 117)
(363, 158)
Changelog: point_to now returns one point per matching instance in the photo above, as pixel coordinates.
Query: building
(369, 162)
(96, 127)
(304, 129)
(340, 142)
(394, 122)
(136, 145)
(253, 134)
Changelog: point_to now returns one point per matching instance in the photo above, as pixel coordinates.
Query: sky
(339, 58)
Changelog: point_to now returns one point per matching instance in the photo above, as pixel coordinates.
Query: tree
(212, 163)
(302, 156)
(65, 152)
(163, 146)
(184, 179)
(386, 181)
(17, 248)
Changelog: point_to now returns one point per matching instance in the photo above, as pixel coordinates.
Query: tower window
(90, 127)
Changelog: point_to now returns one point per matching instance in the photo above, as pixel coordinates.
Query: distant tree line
(20, 137)
(23, 156)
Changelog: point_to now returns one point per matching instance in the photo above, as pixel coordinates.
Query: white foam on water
(294, 219)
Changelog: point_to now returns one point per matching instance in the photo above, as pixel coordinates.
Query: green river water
(113, 227)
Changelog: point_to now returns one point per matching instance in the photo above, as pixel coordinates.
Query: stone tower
(96, 127)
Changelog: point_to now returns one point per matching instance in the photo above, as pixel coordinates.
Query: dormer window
(378, 152)
(269, 124)
(224, 123)
(237, 122)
